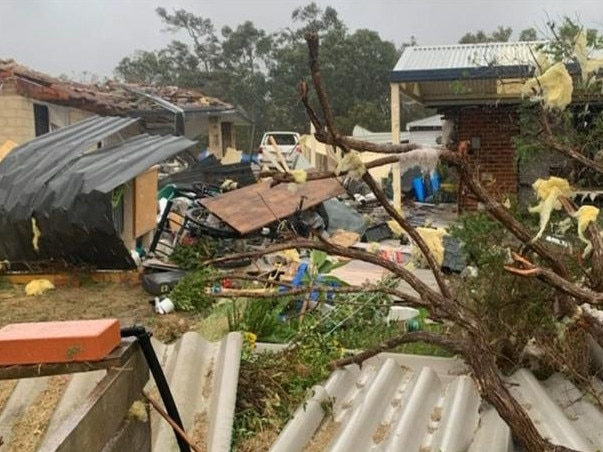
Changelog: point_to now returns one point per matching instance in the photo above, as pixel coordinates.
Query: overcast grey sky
(73, 36)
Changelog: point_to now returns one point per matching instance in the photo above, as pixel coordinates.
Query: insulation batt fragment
(434, 239)
(585, 216)
(425, 158)
(37, 287)
(588, 66)
(556, 85)
(351, 163)
(35, 241)
(299, 176)
(548, 192)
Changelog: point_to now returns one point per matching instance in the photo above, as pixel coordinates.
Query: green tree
(501, 34)
(261, 72)
(529, 34)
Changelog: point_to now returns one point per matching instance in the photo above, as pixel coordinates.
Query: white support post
(395, 112)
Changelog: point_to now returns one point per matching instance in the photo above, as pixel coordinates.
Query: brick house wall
(17, 122)
(495, 161)
(16, 117)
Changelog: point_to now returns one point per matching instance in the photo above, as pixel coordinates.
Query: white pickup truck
(287, 142)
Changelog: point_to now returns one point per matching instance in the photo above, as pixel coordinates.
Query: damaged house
(478, 89)
(79, 188)
(33, 103)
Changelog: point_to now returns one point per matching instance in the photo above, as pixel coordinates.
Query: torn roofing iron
(416, 403)
(461, 61)
(65, 183)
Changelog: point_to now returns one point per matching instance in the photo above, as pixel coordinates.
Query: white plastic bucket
(164, 306)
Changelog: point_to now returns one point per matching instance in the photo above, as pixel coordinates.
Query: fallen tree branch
(596, 273)
(454, 345)
(172, 423)
(526, 268)
(243, 293)
(312, 40)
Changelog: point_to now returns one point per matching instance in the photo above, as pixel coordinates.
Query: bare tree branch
(454, 345)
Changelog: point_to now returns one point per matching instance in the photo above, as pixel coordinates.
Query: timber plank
(90, 427)
(250, 208)
(116, 358)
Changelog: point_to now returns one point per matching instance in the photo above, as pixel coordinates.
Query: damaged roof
(59, 187)
(250, 208)
(109, 98)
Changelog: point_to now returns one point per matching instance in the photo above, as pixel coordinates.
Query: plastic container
(419, 187)
(164, 306)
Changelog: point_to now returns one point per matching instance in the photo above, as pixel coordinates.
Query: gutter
(178, 111)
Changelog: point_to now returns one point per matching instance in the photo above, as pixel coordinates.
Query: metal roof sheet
(414, 403)
(448, 62)
(434, 122)
(63, 181)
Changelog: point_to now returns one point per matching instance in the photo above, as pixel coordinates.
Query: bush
(190, 294)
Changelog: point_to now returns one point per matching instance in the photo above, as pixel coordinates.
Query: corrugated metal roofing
(414, 403)
(448, 62)
(63, 181)
(434, 121)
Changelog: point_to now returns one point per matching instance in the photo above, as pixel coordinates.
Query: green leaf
(318, 258)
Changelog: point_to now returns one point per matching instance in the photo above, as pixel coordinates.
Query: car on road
(287, 142)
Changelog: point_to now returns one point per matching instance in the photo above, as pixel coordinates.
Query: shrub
(190, 294)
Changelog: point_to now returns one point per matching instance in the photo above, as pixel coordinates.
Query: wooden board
(145, 202)
(116, 358)
(95, 421)
(250, 208)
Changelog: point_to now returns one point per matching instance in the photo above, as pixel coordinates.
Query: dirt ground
(127, 302)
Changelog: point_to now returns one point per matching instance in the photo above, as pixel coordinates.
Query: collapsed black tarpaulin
(65, 182)
(211, 172)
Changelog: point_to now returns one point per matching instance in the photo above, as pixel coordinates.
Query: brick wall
(17, 121)
(495, 161)
(16, 118)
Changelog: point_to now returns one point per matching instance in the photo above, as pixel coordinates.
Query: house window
(41, 118)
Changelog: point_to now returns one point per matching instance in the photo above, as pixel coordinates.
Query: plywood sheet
(250, 208)
(145, 202)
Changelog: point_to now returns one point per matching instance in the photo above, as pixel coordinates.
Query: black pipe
(160, 226)
(144, 339)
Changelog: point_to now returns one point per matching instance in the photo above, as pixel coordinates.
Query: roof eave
(468, 73)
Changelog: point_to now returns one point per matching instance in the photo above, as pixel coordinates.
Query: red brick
(58, 342)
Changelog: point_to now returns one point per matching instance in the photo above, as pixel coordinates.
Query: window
(41, 119)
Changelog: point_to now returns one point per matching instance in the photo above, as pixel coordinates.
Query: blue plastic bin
(419, 187)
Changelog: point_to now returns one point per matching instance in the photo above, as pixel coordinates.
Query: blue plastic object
(250, 158)
(419, 187)
(298, 281)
